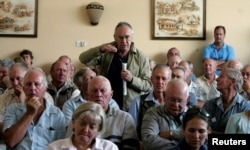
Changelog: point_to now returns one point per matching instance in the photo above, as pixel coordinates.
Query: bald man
(161, 125)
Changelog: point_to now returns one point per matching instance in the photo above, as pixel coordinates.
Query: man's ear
(111, 93)
(188, 98)
(209, 130)
(234, 81)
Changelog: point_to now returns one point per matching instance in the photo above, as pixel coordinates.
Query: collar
(79, 98)
(215, 47)
(151, 97)
(236, 100)
(204, 77)
(111, 112)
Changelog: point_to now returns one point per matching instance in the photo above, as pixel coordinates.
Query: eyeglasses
(126, 37)
(173, 101)
(192, 111)
(245, 74)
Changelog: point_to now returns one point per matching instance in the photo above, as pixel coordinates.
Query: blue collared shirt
(50, 126)
(226, 53)
(134, 109)
(70, 106)
(219, 116)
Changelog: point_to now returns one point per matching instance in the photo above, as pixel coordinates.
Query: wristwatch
(171, 134)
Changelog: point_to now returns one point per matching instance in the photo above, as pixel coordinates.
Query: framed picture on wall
(18, 18)
(179, 19)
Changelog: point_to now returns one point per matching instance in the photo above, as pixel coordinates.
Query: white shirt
(66, 144)
(206, 91)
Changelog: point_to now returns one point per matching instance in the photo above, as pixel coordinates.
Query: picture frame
(179, 19)
(18, 18)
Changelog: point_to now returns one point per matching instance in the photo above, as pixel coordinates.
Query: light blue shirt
(219, 116)
(134, 109)
(70, 106)
(238, 124)
(50, 126)
(226, 53)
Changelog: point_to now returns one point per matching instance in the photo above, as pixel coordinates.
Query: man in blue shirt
(219, 51)
(36, 123)
(81, 80)
(161, 75)
(229, 83)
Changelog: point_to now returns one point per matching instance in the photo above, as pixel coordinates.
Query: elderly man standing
(113, 56)
(161, 75)
(60, 88)
(229, 83)
(161, 124)
(35, 123)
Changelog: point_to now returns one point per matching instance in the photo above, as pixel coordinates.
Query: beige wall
(61, 23)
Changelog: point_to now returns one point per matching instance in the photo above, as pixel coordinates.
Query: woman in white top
(87, 121)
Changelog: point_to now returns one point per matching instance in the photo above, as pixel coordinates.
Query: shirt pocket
(45, 135)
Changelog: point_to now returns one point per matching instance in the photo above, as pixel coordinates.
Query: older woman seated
(87, 121)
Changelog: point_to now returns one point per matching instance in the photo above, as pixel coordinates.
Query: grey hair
(237, 76)
(121, 24)
(235, 63)
(7, 62)
(182, 69)
(93, 111)
(78, 75)
(163, 66)
(44, 79)
(190, 65)
(21, 65)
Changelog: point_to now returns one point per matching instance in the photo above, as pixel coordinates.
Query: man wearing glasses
(161, 125)
(110, 57)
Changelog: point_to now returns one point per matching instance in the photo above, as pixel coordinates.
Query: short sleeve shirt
(226, 53)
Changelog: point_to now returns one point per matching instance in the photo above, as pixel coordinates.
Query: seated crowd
(120, 99)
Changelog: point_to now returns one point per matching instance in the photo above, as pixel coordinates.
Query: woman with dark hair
(195, 129)
(27, 57)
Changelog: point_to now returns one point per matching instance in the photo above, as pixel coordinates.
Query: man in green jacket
(110, 57)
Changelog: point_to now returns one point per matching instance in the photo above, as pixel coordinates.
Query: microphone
(124, 67)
